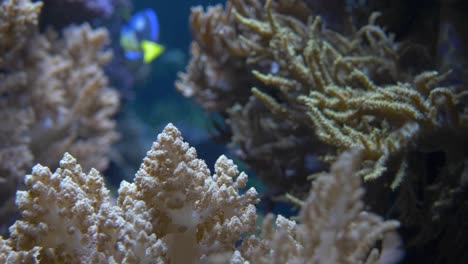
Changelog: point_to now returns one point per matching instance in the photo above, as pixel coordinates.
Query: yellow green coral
(316, 91)
(331, 85)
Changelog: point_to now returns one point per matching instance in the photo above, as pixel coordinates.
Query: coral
(345, 107)
(355, 94)
(214, 77)
(173, 205)
(18, 20)
(219, 78)
(176, 212)
(321, 79)
(316, 92)
(71, 98)
(54, 97)
(332, 225)
(274, 147)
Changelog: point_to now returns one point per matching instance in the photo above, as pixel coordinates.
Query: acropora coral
(175, 211)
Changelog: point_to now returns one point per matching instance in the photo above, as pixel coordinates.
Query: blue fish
(139, 36)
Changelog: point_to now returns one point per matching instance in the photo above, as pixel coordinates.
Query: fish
(139, 37)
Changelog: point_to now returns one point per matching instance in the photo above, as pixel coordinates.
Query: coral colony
(338, 118)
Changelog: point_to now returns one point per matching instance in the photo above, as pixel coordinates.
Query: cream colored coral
(54, 97)
(174, 205)
(188, 206)
(71, 98)
(18, 19)
(333, 226)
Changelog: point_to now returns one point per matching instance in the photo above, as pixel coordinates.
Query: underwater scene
(234, 131)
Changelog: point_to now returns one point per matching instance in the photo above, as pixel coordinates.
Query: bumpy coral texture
(173, 212)
(54, 96)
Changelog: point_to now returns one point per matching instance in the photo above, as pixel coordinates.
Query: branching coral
(330, 78)
(214, 75)
(54, 96)
(332, 228)
(173, 205)
(346, 108)
(71, 98)
(175, 212)
(17, 21)
(219, 77)
(316, 92)
(321, 76)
